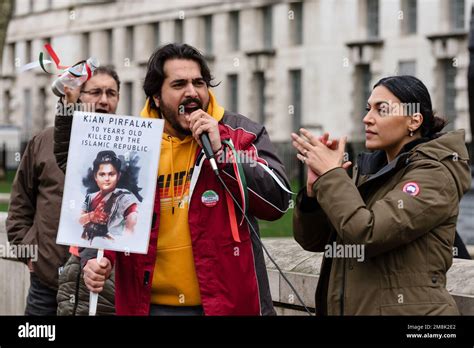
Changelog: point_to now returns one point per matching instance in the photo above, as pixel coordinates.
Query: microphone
(206, 146)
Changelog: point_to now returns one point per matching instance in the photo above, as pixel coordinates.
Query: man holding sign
(34, 215)
(202, 258)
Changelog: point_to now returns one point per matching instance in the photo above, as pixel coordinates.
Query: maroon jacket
(230, 282)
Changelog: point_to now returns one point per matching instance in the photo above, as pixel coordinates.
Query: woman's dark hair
(155, 74)
(106, 157)
(410, 90)
(126, 166)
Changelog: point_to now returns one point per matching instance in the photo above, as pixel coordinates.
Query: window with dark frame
(456, 14)
(267, 14)
(12, 55)
(178, 31)
(296, 23)
(110, 46)
(366, 77)
(233, 92)
(128, 97)
(85, 44)
(259, 83)
(296, 98)
(27, 113)
(410, 16)
(449, 92)
(372, 18)
(42, 107)
(363, 90)
(156, 35)
(208, 35)
(234, 30)
(7, 99)
(129, 43)
(407, 67)
(28, 58)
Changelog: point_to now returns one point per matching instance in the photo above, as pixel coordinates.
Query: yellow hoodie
(174, 281)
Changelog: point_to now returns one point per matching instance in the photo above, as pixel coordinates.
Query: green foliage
(6, 185)
(282, 227)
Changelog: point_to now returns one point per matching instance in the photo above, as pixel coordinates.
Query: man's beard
(171, 115)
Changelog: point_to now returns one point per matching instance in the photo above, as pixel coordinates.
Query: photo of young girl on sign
(110, 208)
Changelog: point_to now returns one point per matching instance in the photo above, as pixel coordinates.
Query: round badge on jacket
(210, 198)
(411, 188)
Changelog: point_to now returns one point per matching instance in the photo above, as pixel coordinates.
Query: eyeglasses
(97, 93)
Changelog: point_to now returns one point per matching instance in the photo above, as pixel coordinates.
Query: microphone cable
(209, 154)
(261, 243)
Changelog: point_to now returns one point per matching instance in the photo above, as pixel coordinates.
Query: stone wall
(302, 270)
(14, 279)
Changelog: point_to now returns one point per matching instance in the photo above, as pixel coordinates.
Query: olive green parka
(401, 215)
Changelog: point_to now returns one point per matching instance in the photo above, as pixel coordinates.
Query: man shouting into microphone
(203, 258)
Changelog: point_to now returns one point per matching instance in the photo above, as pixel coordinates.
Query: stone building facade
(284, 63)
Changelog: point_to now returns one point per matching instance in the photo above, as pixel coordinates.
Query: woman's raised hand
(319, 154)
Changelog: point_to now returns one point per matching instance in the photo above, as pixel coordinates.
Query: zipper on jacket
(343, 285)
(146, 278)
(76, 292)
(343, 290)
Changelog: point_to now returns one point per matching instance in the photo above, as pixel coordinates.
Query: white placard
(102, 208)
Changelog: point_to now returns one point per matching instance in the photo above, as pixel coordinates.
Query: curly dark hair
(155, 74)
(106, 157)
(126, 166)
